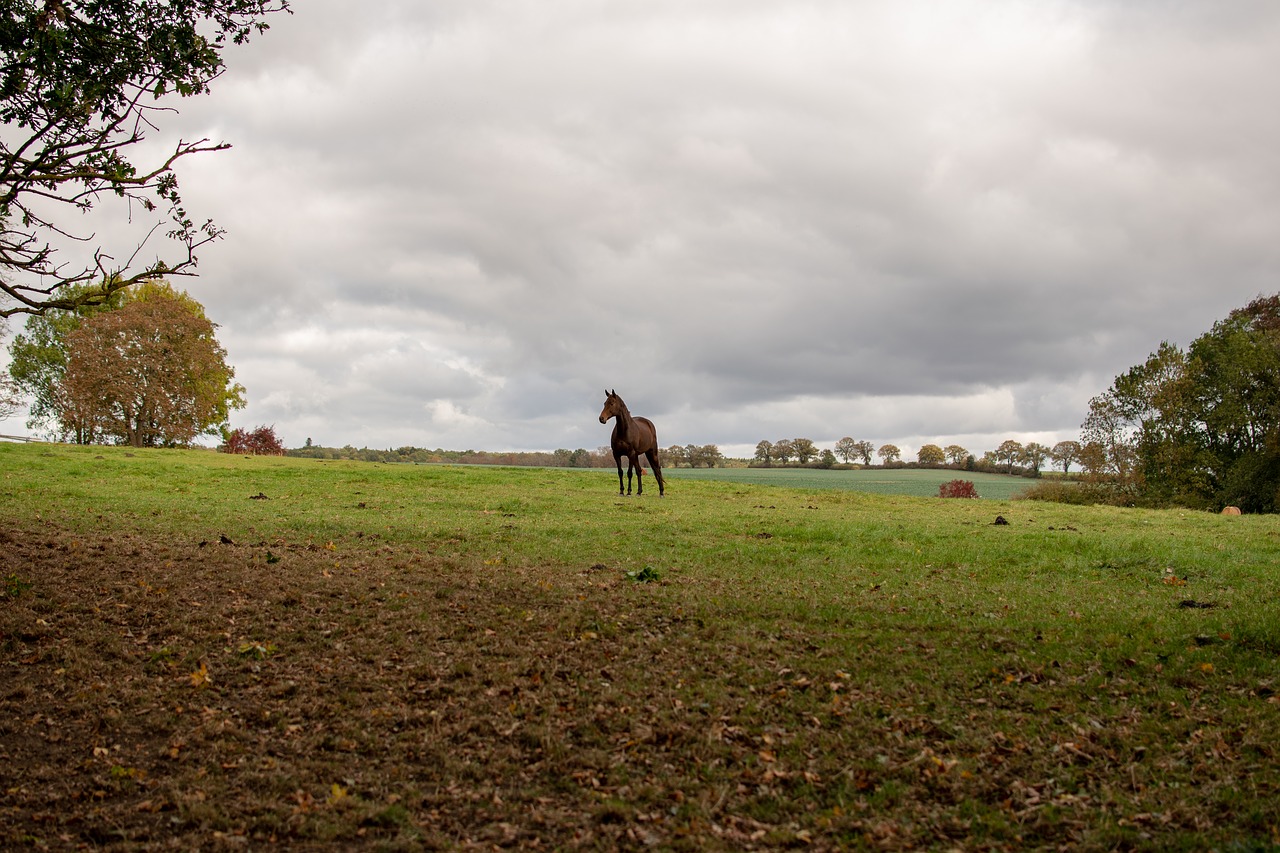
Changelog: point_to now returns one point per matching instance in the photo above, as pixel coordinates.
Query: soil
(224, 694)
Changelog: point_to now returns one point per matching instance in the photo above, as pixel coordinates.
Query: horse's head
(613, 406)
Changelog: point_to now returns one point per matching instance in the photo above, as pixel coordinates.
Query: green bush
(1079, 494)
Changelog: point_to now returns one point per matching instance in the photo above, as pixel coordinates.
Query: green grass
(316, 653)
(918, 482)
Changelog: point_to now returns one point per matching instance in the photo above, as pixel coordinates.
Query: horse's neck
(626, 423)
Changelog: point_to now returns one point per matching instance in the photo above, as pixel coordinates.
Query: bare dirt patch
(159, 693)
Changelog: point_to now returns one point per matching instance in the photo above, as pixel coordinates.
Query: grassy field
(205, 651)
(918, 482)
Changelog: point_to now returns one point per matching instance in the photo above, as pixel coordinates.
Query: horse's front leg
(618, 459)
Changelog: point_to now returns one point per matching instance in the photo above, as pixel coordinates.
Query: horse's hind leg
(618, 459)
(657, 471)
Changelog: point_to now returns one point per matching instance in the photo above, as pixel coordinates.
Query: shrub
(1079, 493)
(957, 489)
(261, 442)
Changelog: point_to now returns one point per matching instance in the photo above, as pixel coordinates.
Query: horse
(632, 437)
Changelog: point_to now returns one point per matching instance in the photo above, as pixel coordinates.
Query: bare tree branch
(81, 84)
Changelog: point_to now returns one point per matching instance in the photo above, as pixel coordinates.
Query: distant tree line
(409, 454)
(1011, 457)
(692, 456)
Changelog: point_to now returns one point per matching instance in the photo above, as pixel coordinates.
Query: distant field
(922, 483)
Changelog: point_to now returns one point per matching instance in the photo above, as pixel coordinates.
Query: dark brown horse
(632, 437)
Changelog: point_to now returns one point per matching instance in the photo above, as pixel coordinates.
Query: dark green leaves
(80, 84)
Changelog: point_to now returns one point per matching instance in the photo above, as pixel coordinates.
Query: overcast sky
(455, 224)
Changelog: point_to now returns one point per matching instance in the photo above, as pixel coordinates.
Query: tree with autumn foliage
(931, 454)
(863, 450)
(1033, 456)
(847, 449)
(764, 453)
(38, 356)
(150, 373)
(783, 450)
(804, 449)
(1065, 453)
(1009, 452)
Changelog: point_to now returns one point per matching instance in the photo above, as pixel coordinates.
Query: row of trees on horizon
(1010, 457)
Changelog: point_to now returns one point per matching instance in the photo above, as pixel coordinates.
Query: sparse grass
(415, 657)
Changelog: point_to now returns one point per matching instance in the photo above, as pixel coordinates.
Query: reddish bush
(237, 442)
(957, 489)
(261, 442)
(265, 442)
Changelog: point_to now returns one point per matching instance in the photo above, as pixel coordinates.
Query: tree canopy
(1199, 427)
(39, 354)
(81, 83)
(1009, 452)
(804, 449)
(931, 454)
(764, 452)
(150, 373)
(864, 449)
(144, 369)
(1033, 456)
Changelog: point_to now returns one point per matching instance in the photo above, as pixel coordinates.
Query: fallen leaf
(201, 677)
